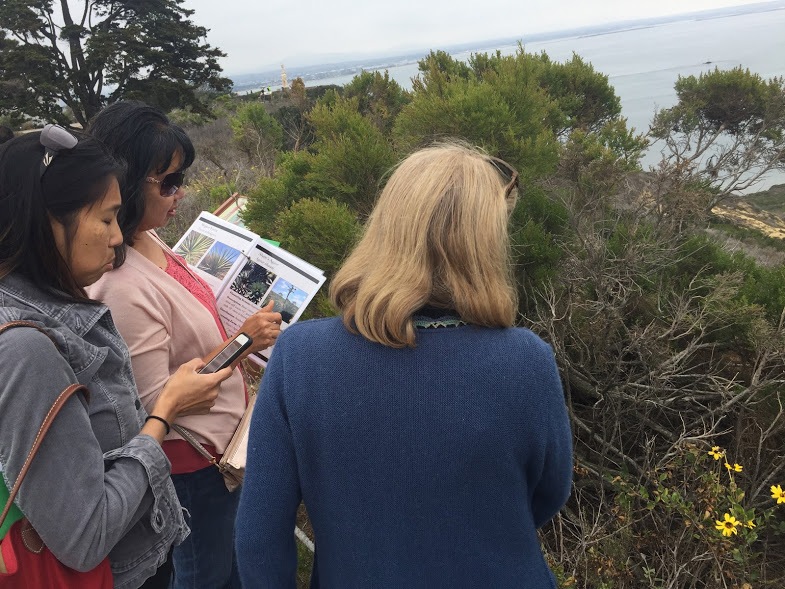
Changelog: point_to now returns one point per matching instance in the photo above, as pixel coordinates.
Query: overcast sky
(258, 35)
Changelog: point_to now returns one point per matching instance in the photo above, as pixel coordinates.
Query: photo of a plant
(194, 246)
(219, 260)
(252, 282)
(287, 299)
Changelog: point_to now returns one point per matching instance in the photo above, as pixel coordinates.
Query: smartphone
(229, 354)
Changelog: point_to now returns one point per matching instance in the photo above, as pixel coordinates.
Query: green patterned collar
(424, 322)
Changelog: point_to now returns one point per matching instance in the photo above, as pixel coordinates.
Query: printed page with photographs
(246, 273)
(214, 249)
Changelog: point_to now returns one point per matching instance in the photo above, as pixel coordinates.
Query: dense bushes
(670, 347)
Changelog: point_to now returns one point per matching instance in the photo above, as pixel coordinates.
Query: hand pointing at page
(264, 326)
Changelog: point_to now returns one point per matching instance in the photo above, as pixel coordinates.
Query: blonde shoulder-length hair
(437, 236)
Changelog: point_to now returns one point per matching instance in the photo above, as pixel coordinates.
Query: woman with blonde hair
(427, 436)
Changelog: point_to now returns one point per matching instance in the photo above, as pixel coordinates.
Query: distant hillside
(762, 211)
(771, 200)
(754, 224)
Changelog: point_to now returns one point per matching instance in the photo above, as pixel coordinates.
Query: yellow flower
(778, 494)
(737, 467)
(716, 452)
(751, 524)
(728, 526)
(728, 466)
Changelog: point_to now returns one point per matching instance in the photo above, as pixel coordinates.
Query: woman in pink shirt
(166, 313)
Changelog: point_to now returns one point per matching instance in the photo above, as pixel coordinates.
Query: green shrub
(257, 133)
(322, 232)
(352, 155)
(537, 231)
(380, 98)
(273, 195)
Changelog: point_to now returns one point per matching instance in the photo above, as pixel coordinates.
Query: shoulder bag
(25, 562)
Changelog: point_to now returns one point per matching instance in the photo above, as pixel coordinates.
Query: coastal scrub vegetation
(671, 347)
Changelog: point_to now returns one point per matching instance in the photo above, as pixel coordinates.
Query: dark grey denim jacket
(97, 487)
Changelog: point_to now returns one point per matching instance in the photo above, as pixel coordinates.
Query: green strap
(14, 515)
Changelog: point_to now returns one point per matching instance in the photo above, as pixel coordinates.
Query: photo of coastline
(252, 282)
(287, 299)
(193, 247)
(219, 260)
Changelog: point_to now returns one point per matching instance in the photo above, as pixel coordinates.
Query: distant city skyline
(258, 36)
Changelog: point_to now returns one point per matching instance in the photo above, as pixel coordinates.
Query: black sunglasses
(170, 184)
(507, 171)
(55, 139)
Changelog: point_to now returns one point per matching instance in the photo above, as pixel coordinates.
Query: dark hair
(76, 178)
(6, 134)
(147, 140)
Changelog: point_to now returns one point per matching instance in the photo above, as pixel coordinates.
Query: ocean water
(643, 64)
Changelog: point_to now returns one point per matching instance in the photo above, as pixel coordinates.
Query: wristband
(161, 419)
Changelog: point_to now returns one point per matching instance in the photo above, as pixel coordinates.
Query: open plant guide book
(246, 273)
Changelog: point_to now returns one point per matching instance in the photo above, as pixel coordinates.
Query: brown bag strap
(50, 416)
(61, 399)
(12, 324)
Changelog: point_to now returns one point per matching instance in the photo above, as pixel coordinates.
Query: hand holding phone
(189, 393)
(228, 354)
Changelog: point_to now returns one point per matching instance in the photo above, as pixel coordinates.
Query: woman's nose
(117, 235)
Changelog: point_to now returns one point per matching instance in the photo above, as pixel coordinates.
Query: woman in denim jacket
(99, 484)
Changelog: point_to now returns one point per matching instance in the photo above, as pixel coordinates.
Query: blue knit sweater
(425, 467)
